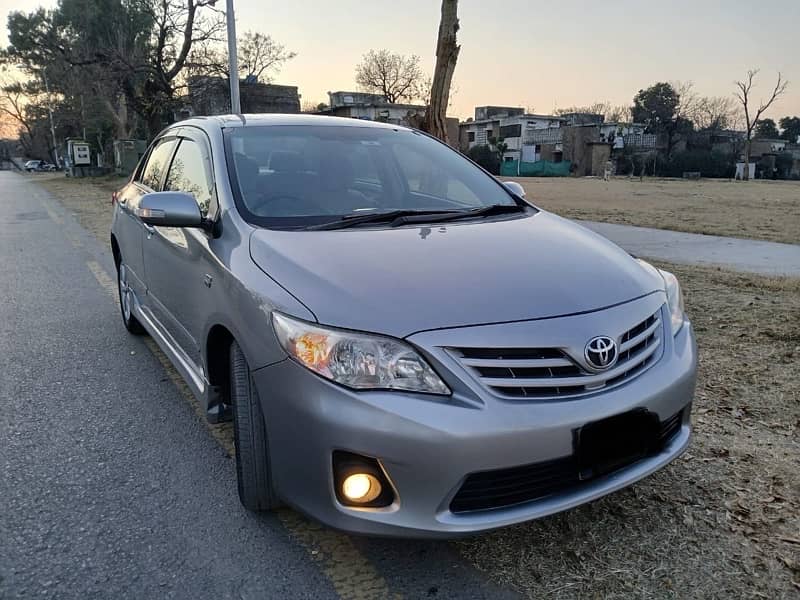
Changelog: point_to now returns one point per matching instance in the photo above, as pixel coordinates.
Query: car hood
(403, 280)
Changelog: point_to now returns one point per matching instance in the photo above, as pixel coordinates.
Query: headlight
(357, 360)
(674, 301)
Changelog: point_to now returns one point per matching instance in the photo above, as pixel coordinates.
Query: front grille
(551, 372)
(507, 487)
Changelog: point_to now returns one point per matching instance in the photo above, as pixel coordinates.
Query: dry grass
(765, 210)
(88, 199)
(724, 520)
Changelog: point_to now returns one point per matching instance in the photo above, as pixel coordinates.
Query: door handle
(149, 228)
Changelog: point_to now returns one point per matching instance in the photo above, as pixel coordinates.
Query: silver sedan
(406, 346)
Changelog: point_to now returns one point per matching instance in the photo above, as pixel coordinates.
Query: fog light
(360, 481)
(361, 487)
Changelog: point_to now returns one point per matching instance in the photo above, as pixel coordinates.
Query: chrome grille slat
(517, 363)
(542, 373)
(641, 337)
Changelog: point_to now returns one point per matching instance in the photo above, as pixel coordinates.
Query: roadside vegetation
(722, 521)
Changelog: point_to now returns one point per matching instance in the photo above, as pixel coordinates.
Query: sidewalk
(750, 256)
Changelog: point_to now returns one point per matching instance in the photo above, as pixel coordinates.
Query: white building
(513, 126)
(371, 107)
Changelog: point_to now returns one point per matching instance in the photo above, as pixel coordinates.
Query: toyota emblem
(601, 352)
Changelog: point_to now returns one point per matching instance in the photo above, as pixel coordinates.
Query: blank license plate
(611, 443)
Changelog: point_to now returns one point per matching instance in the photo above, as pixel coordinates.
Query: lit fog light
(361, 487)
(360, 481)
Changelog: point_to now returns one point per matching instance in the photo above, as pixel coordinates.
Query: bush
(783, 164)
(634, 163)
(485, 157)
(709, 164)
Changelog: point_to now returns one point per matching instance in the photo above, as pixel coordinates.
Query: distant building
(763, 146)
(583, 140)
(483, 113)
(211, 96)
(340, 99)
(375, 107)
(372, 107)
(583, 118)
(513, 126)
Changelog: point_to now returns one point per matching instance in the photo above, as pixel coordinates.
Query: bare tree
(312, 106)
(260, 57)
(716, 113)
(620, 113)
(596, 108)
(705, 112)
(259, 54)
(14, 98)
(447, 50)
(688, 100)
(751, 119)
(394, 76)
(611, 113)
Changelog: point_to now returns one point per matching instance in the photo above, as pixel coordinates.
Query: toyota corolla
(406, 345)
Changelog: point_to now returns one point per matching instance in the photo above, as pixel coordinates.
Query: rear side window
(157, 164)
(189, 173)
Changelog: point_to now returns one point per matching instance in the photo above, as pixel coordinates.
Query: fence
(542, 168)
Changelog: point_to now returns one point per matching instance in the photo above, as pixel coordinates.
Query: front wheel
(126, 302)
(253, 470)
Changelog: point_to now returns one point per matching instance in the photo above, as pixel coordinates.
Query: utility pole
(52, 123)
(233, 59)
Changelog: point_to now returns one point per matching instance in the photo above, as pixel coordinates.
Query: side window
(157, 164)
(189, 173)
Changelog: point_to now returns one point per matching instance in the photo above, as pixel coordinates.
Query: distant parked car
(47, 167)
(33, 165)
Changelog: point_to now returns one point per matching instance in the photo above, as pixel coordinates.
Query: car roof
(261, 120)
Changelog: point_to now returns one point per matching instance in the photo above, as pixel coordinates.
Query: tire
(253, 471)
(126, 302)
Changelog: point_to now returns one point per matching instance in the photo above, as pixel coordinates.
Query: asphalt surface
(111, 486)
(750, 256)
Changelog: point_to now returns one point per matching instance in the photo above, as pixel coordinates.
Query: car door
(130, 231)
(178, 261)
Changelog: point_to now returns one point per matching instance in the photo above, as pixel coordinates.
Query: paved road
(112, 487)
(750, 256)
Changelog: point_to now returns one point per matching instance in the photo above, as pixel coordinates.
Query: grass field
(764, 210)
(724, 520)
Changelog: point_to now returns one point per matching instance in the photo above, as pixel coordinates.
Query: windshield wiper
(380, 217)
(483, 211)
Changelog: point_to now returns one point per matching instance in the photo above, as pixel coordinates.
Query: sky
(538, 55)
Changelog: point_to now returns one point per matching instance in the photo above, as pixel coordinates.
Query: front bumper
(428, 445)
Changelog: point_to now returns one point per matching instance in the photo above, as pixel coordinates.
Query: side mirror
(515, 188)
(169, 209)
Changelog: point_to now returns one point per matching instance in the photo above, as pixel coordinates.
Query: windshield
(302, 175)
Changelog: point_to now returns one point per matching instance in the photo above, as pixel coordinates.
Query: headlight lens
(674, 301)
(357, 360)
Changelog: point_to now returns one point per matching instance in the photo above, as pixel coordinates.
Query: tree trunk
(746, 170)
(447, 50)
